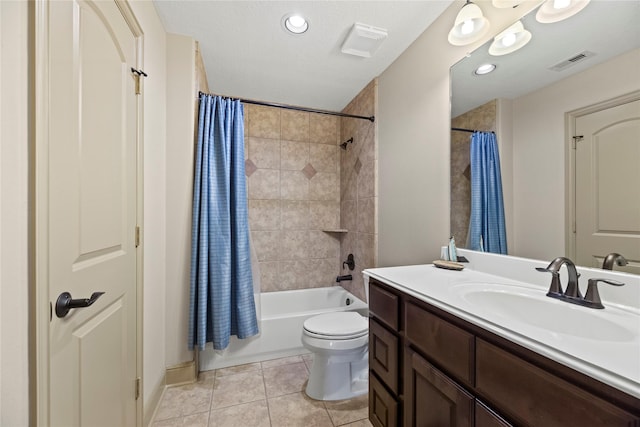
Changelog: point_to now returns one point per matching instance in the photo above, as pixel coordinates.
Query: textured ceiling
(247, 54)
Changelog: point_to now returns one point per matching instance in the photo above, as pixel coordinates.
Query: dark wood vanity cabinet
(430, 368)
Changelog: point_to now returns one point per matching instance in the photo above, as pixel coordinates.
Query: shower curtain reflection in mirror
(487, 231)
(222, 293)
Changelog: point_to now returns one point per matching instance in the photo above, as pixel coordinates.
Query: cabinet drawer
(485, 417)
(383, 408)
(447, 345)
(384, 304)
(531, 396)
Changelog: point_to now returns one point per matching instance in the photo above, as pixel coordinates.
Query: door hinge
(573, 226)
(137, 236)
(137, 74)
(138, 386)
(576, 139)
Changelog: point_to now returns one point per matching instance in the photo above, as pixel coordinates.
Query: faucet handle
(593, 296)
(555, 289)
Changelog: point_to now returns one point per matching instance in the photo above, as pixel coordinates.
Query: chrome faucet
(612, 258)
(572, 293)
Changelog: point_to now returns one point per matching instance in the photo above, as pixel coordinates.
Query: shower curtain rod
(292, 107)
(469, 130)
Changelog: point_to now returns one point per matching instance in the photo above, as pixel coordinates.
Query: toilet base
(336, 378)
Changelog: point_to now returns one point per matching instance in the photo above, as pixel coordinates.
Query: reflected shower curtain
(487, 229)
(222, 300)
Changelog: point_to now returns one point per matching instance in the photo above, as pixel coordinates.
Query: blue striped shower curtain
(222, 296)
(487, 230)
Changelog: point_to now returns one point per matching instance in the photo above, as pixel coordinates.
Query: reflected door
(608, 186)
(92, 213)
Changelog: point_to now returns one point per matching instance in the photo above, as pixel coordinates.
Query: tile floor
(264, 394)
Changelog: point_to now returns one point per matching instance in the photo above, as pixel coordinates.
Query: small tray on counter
(448, 265)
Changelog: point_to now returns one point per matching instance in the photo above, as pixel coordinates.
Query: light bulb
(467, 27)
(561, 4)
(509, 39)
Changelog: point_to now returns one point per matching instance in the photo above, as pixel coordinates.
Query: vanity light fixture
(470, 25)
(558, 10)
(510, 40)
(295, 23)
(484, 69)
(503, 4)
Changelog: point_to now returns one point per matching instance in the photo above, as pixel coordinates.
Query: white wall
(14, 214)
(154, 232)
(414, 131)
(539, 150)
(181, 95)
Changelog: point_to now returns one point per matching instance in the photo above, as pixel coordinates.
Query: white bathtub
(283, 314)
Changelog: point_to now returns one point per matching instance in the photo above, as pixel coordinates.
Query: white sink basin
(533, 308)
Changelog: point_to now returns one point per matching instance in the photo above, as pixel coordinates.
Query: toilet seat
(344, 325)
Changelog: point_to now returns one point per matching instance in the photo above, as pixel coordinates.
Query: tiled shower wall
(292, 167)
(302, 187)
(358, 188)
(481, 118)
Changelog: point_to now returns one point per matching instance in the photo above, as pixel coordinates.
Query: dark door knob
(66, 303)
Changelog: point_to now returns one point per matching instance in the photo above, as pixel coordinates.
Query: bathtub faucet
(345, 277)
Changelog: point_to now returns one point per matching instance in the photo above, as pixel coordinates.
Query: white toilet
(340, 345)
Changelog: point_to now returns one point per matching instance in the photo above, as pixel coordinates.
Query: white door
(608, 186)
(92, 131)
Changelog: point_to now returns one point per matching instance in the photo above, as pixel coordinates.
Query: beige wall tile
(293, 274)
(294, 244)
(349, 215)
(366, 215)
(323, 157)
(323, 129)
(324, 215)
(366, 180)
(265, 153)
(264, 122)
(324, 186)
(295, 215)
(264, 215)
(264, 184)
(294, 186)
(267, 244)
(323, 245)
(323, 272)
(294, 155)
(295, 125)
(269, 276)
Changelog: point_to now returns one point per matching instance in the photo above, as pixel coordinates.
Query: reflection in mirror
(533, 101)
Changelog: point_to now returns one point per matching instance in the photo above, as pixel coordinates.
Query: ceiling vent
(561, 66)
(363, 40)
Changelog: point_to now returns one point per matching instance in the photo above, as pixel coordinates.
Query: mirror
(535, 172)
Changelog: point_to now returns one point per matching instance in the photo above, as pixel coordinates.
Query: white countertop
(613, 361)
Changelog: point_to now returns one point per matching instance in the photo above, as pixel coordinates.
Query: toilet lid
(341, 325)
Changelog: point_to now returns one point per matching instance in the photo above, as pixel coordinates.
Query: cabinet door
(383, 408)
(431, 398)
(383, 354)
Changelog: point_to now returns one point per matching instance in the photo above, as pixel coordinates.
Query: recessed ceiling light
(484, 69)
(295, 23)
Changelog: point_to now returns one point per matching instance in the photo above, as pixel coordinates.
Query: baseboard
(151, 406)
(184, 373)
